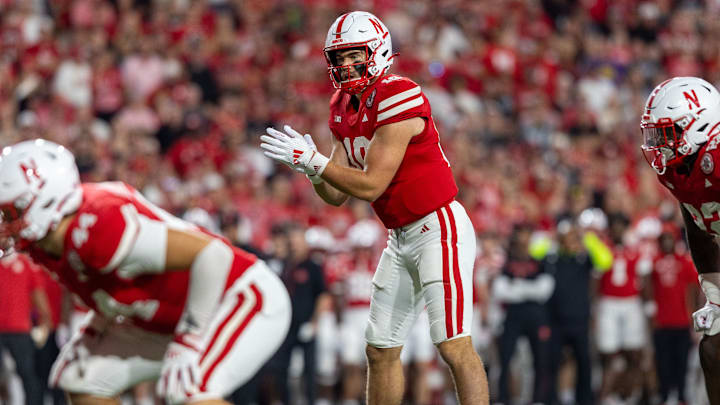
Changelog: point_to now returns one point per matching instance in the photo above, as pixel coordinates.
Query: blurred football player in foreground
(170, 301)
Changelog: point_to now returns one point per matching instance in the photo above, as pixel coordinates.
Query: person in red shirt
(23, 292)
(386, 150)
(673, 273)
(169, 301)
(620, 327)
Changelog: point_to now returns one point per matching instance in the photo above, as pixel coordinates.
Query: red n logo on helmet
(692, 99)
(31, 171)
(378, 26)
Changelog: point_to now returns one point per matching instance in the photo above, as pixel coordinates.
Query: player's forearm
(703, 246)
(705, 254)
(355, 182)
(208, 275)
(330, 194)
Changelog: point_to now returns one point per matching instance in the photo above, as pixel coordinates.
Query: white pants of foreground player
(428, 263)
(418, 347)
(250, 324)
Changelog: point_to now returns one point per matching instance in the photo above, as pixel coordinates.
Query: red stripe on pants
(456, 272)
(56, 381)
(241, 299)
(446, 275)
(255, 309)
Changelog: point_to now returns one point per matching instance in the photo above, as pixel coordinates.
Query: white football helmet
(363, 234)
(593, 218)
(680, 115)
(39, 185)
(363, 31)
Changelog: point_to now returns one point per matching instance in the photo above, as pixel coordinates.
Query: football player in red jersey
(386, 150)
(672, 274)
(170, 301)
(680, 125)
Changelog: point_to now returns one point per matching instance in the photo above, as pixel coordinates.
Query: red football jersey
(424, 181)
(699, 189)
(100, 235)
(622, 279)
(19, 276)
(671, 276)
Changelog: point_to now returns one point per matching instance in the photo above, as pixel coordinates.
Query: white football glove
(180, 375)
(314, 178)
(704, 319)
(294, 150)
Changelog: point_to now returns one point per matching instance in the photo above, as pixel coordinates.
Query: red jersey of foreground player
(424, 181)
(698, 189)
(102, 232)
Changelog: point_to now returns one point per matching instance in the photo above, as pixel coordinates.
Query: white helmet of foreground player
(39, 185)
(679, 116)
(358, 30)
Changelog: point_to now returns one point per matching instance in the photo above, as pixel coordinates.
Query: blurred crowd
(537, 103)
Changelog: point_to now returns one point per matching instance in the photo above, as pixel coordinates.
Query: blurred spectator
(619, 324)
(73, 79)
(16, 305)
(46, 354)
(327, 341)
(572, 267)
(351, 279)
(674, 295)
(305, 282)
(523, 288)
(143, 72)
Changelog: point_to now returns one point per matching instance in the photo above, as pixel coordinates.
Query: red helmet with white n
(39, 185)
(363, 31)
(679, 116)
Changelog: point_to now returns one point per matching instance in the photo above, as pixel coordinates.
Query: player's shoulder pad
(391, 85)
(397, 95)
(106, 195)
(104, 231)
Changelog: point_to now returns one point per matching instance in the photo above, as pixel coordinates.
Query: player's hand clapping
(295, 150)
(705, 317)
